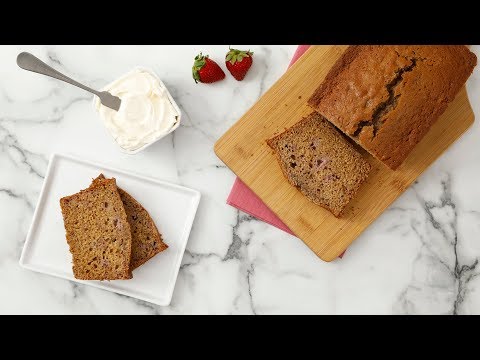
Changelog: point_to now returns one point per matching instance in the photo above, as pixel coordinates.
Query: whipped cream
(146, 112)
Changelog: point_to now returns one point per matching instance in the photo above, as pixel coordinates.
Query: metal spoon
(31, 63)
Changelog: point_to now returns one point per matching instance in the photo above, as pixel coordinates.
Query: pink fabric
(246, 200)
(299, 52)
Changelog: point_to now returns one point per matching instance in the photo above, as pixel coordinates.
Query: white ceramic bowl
(172, 101)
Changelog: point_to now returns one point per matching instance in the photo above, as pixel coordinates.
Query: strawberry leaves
(198, 63)
(235, 55)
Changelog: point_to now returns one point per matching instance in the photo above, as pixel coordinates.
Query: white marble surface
(420, 257)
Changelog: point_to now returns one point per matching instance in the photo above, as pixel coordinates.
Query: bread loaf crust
(386, 98)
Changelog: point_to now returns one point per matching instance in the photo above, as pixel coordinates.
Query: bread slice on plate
(98, 232)
(316, 159)
(146, 239)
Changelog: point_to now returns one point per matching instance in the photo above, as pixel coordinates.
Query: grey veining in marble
(420, 257)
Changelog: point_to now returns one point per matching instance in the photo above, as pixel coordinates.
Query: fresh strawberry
(238, 62)
(206, 70)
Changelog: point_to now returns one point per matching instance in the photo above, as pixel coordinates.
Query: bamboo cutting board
(244, 150)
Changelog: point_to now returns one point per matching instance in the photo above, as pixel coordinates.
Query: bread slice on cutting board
(316, 159)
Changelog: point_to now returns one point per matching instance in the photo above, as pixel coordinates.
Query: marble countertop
(420, 257)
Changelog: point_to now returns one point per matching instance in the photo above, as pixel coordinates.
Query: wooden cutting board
(244, 150)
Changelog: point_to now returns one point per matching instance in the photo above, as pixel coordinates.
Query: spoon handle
(30, 62)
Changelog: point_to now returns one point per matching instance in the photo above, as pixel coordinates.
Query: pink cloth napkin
(245, 199)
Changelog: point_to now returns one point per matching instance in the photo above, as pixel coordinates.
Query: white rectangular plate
(171, 207)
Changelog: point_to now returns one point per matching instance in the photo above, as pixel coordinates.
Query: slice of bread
(317, 159)
(98, 232)
(146, 239)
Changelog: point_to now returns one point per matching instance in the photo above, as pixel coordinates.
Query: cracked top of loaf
(387, 97)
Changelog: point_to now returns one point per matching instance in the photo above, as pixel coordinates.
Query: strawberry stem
(198, 64)
(235, 55)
